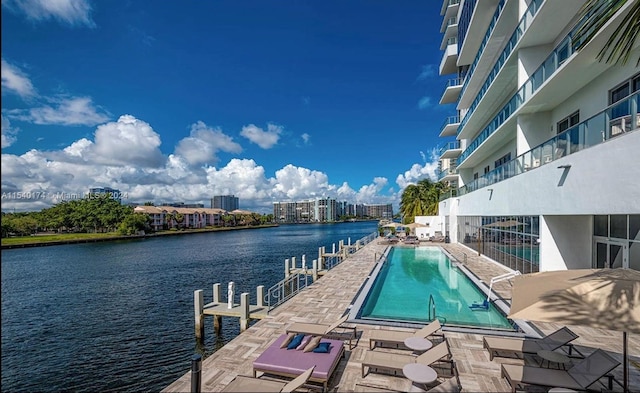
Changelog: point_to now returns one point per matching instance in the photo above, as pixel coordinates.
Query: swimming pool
(410, 276)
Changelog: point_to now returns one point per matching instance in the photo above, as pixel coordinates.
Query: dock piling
(314, 270)
(244, 311)
(260, 296)
(198, 305)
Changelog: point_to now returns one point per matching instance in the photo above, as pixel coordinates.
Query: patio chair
(382, 336)
(243, 383)
(561, 337)
(579, 377)
(395, 361)
(324, 330)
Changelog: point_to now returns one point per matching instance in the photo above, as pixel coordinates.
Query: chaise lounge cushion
(279, 361)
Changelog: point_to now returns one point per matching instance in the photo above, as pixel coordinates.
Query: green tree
(420, 199)
(596, 14)
(134, 223)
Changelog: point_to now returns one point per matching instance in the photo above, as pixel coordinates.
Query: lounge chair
(579, 377)
(518, 346)
(395, 361)
(243, 383)
(395, 337)
(320, 329)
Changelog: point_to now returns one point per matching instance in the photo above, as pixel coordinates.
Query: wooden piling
(198, 305)
(244, 311)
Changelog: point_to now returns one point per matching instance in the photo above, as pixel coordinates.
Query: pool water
(410, 276)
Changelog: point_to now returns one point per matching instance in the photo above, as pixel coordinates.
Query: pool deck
(327, 300)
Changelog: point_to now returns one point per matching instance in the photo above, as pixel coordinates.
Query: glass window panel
(618, 227)
(600, 226)
(615, 256)
(601, 255)
(634, 255)
(634, 227)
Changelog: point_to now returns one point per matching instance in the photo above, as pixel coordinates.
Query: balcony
(452, 91)
(450, 126)
(449, 8)
(450, 150)
(449, 174)
(517, 34)
(450, 57)
(616, 120)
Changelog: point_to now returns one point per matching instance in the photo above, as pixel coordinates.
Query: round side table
(418, 344)
(420, 373)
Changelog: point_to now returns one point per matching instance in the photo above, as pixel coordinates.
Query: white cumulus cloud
(265, 139)
(203, 144)
(8, 133)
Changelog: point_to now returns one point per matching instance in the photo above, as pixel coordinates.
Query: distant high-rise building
(225, 202)
(111, 192)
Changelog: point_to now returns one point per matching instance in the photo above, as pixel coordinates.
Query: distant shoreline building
(225, 202)
(326, 210)
(111, 192)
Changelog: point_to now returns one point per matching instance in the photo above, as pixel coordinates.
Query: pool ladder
(432, 306)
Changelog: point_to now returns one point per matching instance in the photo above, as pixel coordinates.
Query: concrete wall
(565, 242)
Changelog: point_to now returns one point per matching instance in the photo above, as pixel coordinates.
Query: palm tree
(596, 13)
(420, 199)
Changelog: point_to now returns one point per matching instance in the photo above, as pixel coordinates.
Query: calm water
(411, 275)
(118, 316)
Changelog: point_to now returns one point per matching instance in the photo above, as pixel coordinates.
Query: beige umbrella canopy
(414, 225)
(598, 298)
(504, 224)
(392, 225)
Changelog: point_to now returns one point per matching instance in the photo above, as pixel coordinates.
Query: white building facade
(542, 149)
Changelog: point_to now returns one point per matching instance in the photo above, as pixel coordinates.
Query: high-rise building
(541, 148)
(111, 192)
(225, 202)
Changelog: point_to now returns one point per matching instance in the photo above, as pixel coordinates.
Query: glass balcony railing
(450, 121)
(449, 146)
(454, 82)
(617, 119)
(483, 44)
(560, 54)
(441, 174)
(525, 21)
(449, 194)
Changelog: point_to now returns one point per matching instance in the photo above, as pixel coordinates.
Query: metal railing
(286, 289)
(432, 306)
(617, 119)
(292, 285)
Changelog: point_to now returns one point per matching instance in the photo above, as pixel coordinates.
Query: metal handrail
(432, 306)
(286, 289)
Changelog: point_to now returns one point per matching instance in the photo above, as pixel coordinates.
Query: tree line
(99, 214)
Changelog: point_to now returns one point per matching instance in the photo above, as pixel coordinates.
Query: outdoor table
(419, 373)
(418, 344)
(556, 357)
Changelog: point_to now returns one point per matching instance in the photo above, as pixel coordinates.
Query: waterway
(118, 316)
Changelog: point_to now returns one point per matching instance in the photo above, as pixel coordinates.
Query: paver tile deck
(328, 298)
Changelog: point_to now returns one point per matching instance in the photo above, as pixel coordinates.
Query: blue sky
(182, 100)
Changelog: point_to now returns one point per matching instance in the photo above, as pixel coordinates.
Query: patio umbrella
(504, 224)
(392, 225)
(413, 226)
(598, 298)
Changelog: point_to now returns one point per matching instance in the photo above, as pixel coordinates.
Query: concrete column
(287, 272)
(260, 296)
(314, 271)
(198, 306)
(244, 311)
(293, 262)
(216, 293)
(333, 248)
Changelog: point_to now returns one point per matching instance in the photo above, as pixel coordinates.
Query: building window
(624, 89)
(475, 176)
(487, 169)
(504, 159)
(568, 122)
